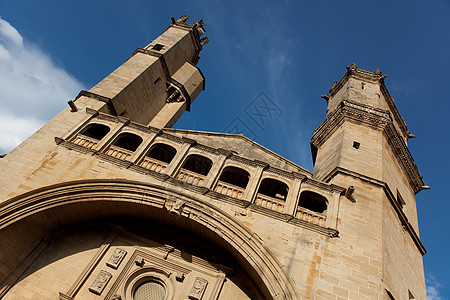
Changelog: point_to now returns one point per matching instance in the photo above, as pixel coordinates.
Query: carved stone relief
(100, 282)
(115, 259)
(198, 289)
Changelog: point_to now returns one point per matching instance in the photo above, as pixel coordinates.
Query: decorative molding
(401, 152)
(280, 172)
(353, 112)
(174, 206)
(323, 186)
(93, 96)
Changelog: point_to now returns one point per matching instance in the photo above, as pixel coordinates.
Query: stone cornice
(403, 219)
(323, 186)
(401, 152)
(353, 112)
(377, 119)
(92, 95)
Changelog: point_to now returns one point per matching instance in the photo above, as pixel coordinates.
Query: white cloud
(32, 87)
(433, 287)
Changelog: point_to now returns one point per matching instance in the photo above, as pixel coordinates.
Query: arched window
(95, 131)
(198, 164)
(162, 152)
(273, 188)
(313, 201)
(235, 176)
(128, 141)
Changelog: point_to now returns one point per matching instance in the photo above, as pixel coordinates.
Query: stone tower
(106, 201)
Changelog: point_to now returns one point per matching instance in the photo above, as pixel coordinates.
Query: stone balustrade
(190, 177)
(310, 216)
(270, 202)
(153, 164)
(118, 152)
(229, 190)
(85, 141)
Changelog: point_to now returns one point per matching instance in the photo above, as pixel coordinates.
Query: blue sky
(291, 51)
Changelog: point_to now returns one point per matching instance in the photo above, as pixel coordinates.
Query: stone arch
(25, 209)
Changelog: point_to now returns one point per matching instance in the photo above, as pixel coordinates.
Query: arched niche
(27, 221)
(162, 152)
(128, 141)
(95, 131)
(198, 164)
(313, 202)
(235, 176)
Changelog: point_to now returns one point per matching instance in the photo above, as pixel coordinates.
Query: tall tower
(362, 146)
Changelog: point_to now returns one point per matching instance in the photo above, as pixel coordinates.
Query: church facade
(106, 201)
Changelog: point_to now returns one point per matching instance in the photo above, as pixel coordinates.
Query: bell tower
(362, 145)
(159, 82)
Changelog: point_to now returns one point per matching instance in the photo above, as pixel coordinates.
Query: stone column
(333, 209)
(293, 196)
(216, 169)
(141, 151)
(252, 186)
(112, 134)
(176, 162)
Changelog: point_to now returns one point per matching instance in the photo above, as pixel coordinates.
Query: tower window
(313, 201)
(273, 188)
(356, 145)
(157, 47)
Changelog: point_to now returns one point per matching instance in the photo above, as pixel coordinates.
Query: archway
(46, 209)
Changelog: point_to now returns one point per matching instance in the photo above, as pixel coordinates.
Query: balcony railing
(153, 164)
(118, 152)
(310, 216)
(229, 190)
(270, 202)
(85, 141)
(191, 177)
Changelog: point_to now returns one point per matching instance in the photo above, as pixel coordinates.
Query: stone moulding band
(264, 263)
(203, 190)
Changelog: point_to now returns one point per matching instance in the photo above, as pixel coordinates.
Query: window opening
(313, 201)
(162, 152)
(273, 188)
(95, 131)
(128, 141)
(157, 47)
(235, 176)
(198, 164)
(150, 290)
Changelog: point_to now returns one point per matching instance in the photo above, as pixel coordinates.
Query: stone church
(106, 201)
